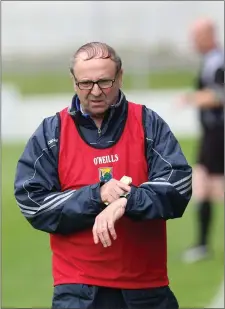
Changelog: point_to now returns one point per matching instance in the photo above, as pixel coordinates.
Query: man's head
(203, 35)
(96, 62)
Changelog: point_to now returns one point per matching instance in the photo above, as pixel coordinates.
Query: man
(68, 185)
(209, 99)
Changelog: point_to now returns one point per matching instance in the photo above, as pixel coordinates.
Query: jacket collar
(75, 106)
(117, 110)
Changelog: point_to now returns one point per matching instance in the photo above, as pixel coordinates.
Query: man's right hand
(112, 190)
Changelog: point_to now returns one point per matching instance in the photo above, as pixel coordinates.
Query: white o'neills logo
(106, 159)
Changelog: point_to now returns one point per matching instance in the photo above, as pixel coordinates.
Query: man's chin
(98, 110)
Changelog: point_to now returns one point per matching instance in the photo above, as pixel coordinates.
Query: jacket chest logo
(105, 173)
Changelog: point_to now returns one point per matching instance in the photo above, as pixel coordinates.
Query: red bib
(137, 258)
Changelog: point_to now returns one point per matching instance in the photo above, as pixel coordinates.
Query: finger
(112, 230)
(112, 198)
(111, 182)
(114, 193)
(105, 235)
(119, 191)
(95, 235)
(123, 186)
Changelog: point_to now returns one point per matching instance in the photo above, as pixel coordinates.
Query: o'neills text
(106, 159)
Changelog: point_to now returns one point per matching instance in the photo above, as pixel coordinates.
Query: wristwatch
(125, 195)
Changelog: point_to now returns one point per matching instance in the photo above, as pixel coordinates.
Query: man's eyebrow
(86, 81)
(89, 80)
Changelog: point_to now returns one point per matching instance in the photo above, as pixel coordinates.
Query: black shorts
(211, 151)
(81, 296)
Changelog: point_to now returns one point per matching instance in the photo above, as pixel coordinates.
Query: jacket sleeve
(169, 187)
(37, 188)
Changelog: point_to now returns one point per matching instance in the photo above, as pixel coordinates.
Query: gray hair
(97, 50)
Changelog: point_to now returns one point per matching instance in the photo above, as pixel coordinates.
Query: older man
(68, 184)
(209, 100)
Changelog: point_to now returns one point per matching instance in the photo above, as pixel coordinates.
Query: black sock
(204, 221)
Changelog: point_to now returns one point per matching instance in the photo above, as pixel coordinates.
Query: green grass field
(59, 82)
(26, 257)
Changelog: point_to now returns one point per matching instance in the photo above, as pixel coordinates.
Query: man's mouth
(97, 101)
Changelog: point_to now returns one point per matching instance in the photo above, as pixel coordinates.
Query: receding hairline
(96, 50)
(83, 56)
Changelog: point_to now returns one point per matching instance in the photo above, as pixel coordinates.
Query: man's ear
(73, 81)
(72, 77)
(120, 77)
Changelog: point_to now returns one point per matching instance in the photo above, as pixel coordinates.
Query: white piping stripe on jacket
(182, 180)
(28, 213)
(54, 194)
(35, 163)
(186, 190)
(166, 162)
(59, 196)
(27, 207)
(186, 182)
(184, 185)
(166, 182)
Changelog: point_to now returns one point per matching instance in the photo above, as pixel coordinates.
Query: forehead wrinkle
(96, 68)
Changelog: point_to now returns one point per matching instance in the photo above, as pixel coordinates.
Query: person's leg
(208, 187)
(154, 298)
(74, 296)
(217, 188)
(204, 215)
(206, 208)
(202, 194)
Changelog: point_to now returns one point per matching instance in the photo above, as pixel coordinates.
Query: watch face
(125, 195)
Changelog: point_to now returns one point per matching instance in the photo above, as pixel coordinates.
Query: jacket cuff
(96, 196)
(131, 198)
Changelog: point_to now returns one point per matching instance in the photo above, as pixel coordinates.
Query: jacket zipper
(99, 131)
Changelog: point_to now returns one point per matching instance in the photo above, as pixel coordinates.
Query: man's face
(200, 39)
(97, 100)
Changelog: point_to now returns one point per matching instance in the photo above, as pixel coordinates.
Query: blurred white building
(42, 27)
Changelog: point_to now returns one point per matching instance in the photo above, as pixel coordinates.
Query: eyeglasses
(102, 84)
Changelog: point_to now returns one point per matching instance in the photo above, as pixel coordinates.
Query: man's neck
(97, 121)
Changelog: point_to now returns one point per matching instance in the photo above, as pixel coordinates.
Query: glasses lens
(105, 83)
(85, 85)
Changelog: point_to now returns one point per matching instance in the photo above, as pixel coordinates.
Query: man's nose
(96, 90)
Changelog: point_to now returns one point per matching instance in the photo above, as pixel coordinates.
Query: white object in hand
(125, 179)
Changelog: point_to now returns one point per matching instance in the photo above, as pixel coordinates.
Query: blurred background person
(209, 100)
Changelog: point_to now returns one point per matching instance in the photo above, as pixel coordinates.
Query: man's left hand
(105, 222)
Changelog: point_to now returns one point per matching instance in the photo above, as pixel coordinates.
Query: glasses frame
(95, 82)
